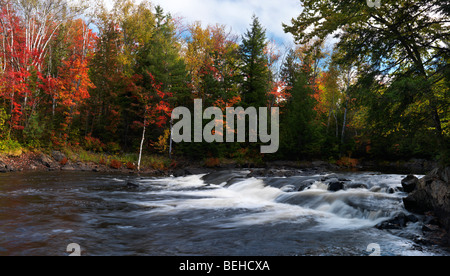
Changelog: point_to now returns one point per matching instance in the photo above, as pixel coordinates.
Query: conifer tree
(255, 71)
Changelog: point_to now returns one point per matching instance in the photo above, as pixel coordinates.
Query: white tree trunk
(140, 150)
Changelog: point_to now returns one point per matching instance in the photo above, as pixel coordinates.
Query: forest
(87, 78)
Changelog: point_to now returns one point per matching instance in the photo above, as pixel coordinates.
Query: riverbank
(163, 166)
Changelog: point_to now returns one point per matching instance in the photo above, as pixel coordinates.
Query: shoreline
(57, 161)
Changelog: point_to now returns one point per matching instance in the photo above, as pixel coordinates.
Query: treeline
(109, 83)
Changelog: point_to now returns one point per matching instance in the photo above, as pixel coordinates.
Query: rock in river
(409, 183)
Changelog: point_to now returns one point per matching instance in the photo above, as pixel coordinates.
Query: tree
(212, 59)
(74, 82)
(300, 134)
(255, 71)
(397, 42)
(161, 57)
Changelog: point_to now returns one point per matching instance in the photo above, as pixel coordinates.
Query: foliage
(11, 147)
(382, 92)
(115, 164)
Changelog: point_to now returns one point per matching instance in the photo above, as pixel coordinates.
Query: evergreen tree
(255, 70)
(161, 58)
(299, 135)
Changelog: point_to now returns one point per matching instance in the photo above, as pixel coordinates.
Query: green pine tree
(255, 71)
(161, 57)
(299, 135)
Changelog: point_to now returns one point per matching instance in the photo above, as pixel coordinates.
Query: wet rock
(432, 194)
(329, 177)
(335, 186)
(306, 184)
(180, 173)
(132, 185)
(431, 228)
(431, 219)
(409, 184)
(356, 186)
(220, 177)
(398, 222)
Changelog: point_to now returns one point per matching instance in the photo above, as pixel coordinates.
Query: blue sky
(237, 14)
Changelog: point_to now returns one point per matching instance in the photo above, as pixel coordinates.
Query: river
(224, 214)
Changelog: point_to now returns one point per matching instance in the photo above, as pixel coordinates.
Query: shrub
(131, 166)
(158, 166)
(212, 162)
(112, 147)
(115, 164)
(347, 162)
(93, 144)
(64, 161)
(11, 148)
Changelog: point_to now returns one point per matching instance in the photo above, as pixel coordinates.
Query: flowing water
(225, 214)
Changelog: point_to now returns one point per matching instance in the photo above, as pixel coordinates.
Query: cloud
(237, 14)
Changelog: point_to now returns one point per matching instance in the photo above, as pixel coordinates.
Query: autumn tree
(28, 30)
(212, 60)
(397, 44)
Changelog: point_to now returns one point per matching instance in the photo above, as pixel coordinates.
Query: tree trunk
(140, 150)
(344, 125)
(170, 142)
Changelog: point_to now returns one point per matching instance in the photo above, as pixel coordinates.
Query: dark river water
(42, 213)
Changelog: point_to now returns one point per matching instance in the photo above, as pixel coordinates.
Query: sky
(237, 14)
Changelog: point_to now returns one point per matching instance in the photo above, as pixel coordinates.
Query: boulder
(132, 185)
(409, 184)
(335, 186)
(432, 193)
(46, 160)
(180, 173)
(3, 168)
(220, 177)
(398, 222)
(305, 184)
(58, 156)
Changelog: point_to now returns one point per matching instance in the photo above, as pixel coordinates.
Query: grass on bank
(119, 160)
(13, 148)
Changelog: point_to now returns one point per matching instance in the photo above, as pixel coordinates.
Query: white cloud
(237, 14)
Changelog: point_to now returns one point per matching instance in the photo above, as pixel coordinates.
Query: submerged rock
(398, 222)
(131, 184)
(220, 177)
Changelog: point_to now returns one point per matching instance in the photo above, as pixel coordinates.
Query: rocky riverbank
(430, 195)
(57, 160)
